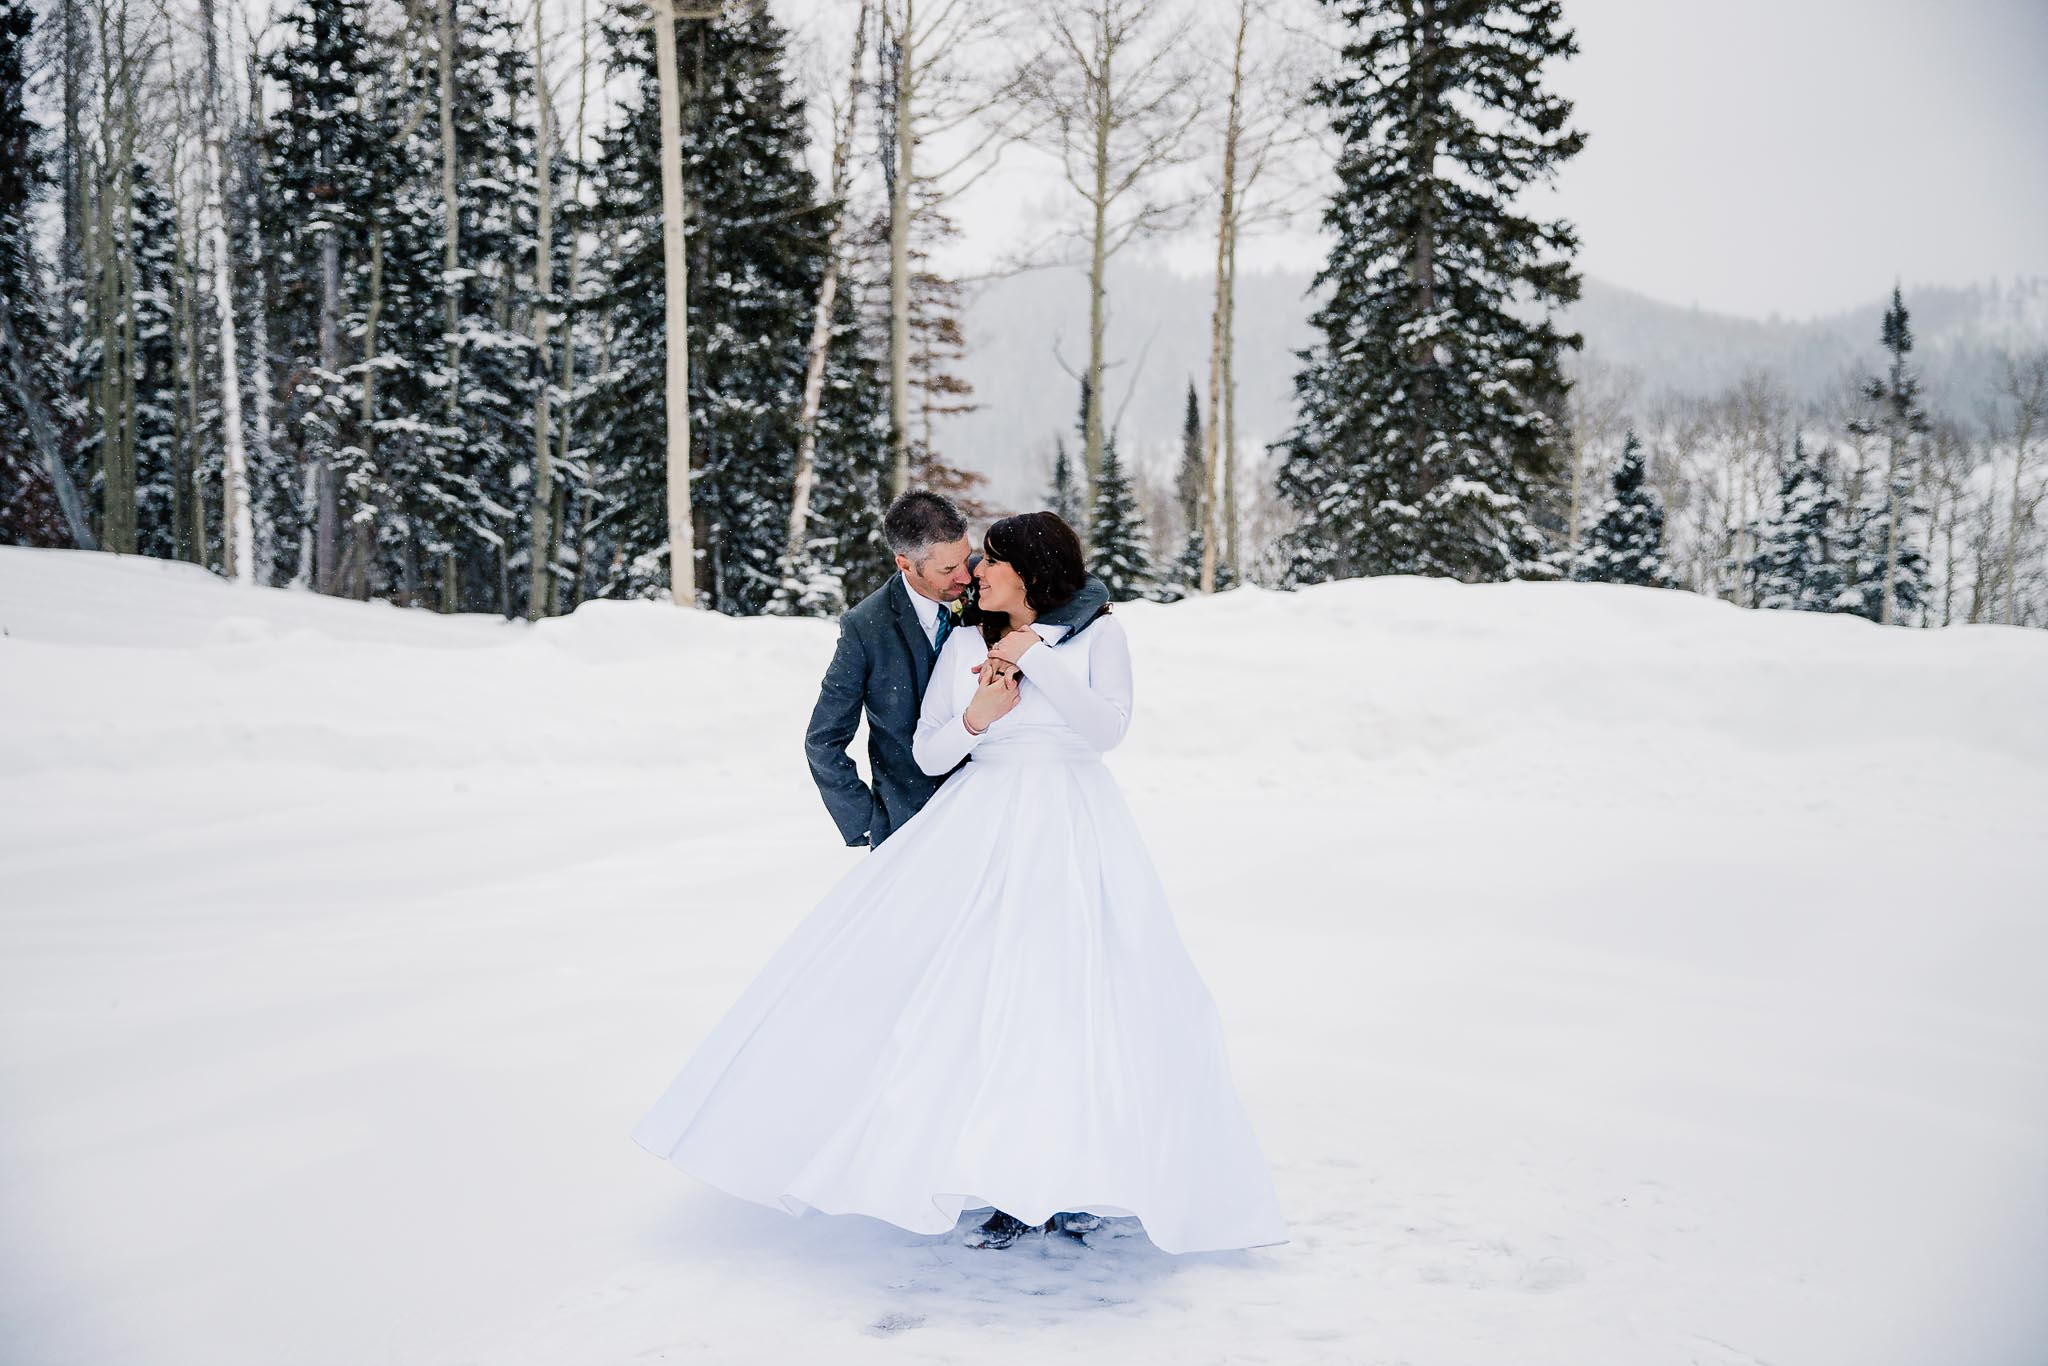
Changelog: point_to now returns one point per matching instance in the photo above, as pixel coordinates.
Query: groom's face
(942, 574)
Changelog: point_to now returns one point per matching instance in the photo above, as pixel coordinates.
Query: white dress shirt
(927, 611)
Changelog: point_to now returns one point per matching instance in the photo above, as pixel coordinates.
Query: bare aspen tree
(1755, 416)
(188, 540)
(2026, 385)
(320, 474)
(828, 295)
(1114, 104)
(675, 280)
(1982, 548)
(543, 285)
(259, 340)
(573, 282)
(1263, 123)
(933, 54)
(108, 179)
(238, 526)
(123, 322)
(356, 554)
(1676, 429)
(1950, 460)
(451, 257)
(1225, 214)
(1228, 427)
(187, 264)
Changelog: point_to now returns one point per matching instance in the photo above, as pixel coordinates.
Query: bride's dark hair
(1046, 554)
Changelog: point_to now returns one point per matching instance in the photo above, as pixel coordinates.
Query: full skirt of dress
(993, 1009)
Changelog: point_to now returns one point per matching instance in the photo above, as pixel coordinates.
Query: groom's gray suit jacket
(883, 663)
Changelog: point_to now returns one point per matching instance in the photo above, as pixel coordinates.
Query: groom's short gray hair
(919, 520)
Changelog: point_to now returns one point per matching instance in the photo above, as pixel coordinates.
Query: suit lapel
(912, 631)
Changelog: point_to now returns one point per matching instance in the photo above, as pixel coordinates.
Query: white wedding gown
(993, 1009)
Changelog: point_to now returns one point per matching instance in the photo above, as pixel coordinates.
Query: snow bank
(1612, 975)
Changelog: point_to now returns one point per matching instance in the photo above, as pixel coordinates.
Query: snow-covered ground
(1613, 977)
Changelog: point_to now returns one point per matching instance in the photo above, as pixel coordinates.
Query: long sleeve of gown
(942, 739)
(1099, 708)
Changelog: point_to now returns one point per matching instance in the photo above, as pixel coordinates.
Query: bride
(995, 1008)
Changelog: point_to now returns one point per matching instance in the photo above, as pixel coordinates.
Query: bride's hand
(1013, 645)
(995, 692)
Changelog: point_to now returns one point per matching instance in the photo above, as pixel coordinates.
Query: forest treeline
(376, 302)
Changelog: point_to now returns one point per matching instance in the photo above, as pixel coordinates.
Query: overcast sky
(1752, 156)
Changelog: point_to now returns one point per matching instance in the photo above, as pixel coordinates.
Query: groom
(887, 646)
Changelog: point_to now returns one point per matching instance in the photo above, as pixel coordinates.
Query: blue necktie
(939, 637)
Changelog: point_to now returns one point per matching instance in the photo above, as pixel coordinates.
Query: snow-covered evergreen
(1117, 538)
(1798, 564)
(1626, 543)
(458, 419)
(756, 255)
(1890, 570)
(159, 438)
(1426, 421)
(1183, 577)
(1065, 497)
(327, 159)
(30, 513)
(1866, 541)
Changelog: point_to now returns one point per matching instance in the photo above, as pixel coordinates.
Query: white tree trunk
(1103, 109)
(238, 529)
(676, 281)
(543, 284)
(319, 477)
(1230, 517)
(259, 386)
(451, 258)
(1226, 212)
(568, 417)
(2028, 387)
(899, 256)
(828, 295)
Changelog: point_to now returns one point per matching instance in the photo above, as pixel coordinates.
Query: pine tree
(1626, 545)
(159, 463)
(1900, 571)
(1116, 533)
(1064, 497)
(1797, 566)
(1427, 411)
(1184, 577)
(756, 257)
(326, 162)
(456, 423)
(1866, 547)
(31, 376)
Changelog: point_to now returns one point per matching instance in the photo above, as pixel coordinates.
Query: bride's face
(1001, 589)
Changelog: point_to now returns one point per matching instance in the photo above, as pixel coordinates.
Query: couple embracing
(994, 1009)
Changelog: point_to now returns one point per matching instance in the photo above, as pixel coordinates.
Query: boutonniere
(956, 607)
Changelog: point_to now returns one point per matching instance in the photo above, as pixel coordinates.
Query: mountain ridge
(1027, 344)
